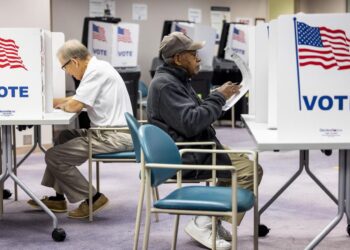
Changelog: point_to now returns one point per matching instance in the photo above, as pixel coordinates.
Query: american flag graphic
(98, 33)
(180, 29)
(238, 35)
(322, 46)
(124, 35)
(9, 54)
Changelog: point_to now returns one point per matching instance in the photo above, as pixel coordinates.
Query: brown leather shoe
(54, 206)
(83, 210)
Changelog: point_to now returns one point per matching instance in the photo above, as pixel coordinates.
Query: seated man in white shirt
(102, 92)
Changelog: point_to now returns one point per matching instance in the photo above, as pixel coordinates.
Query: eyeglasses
(193, 53)
(65, 64)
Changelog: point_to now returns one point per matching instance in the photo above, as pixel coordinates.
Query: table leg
(341, 201)
(58, 234)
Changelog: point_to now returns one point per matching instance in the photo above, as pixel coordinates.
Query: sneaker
(223, 232)
(204, 236)
(83, 210)
(54, 206)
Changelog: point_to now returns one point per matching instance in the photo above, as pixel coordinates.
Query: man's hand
(229, 89)
(71, 106)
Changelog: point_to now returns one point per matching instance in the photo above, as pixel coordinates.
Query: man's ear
(177, 59)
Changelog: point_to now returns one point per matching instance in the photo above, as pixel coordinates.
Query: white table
(267, 140)
(54, 118)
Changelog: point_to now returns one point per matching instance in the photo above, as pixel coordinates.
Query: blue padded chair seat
(116, 155)
(206, 198)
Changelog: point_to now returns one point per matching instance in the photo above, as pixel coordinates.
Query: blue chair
(134, 125)
(163, 160)
(125, 156)
(143, 93)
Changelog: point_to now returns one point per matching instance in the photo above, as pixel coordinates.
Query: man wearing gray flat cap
(173, 105)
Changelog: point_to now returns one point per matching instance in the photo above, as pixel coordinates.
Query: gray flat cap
(177, 42)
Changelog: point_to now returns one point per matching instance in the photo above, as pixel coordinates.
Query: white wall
(24, 13)
(322, 6)
(68, 15)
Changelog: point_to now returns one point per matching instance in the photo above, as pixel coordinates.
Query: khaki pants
(70, 151)
(245, 176)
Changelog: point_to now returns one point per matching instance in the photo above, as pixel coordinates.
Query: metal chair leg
(148, 214)
(154, 196)
(138, 214)
(176, 229)
(98, 176)
(213, 228)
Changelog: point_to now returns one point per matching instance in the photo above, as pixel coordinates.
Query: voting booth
(30, 76)
(26, 73)
(313, 64)
(308, 76)
(235, 39)
(201, 82)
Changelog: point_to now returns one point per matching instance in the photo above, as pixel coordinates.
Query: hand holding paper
(244, 86)
(229, 89)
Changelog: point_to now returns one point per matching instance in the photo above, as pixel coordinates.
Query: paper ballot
(246, 81)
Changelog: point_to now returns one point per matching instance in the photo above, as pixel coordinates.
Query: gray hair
(73, 49)
(169, 60)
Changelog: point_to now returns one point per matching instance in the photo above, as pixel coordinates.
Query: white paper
(139, 12)
(246, 81)
(195, 15)
(97, 7)
(216, 18)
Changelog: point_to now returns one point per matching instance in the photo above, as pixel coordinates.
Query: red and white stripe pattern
(324, 47)
(9, 54)
(124, 35)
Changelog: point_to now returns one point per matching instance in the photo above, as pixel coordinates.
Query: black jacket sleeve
(183, 114)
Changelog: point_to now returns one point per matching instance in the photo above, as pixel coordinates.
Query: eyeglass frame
(63, 67)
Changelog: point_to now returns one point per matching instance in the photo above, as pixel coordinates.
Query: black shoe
(6, 194)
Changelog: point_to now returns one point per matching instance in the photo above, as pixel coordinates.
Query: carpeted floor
(295, 218)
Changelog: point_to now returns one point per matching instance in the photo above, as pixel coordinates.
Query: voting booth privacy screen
(26, 73)
(114, 43)
(313, 76)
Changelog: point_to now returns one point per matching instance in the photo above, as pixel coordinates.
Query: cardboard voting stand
(261, 72)
(313, 66)
(239, 49)
(114, 43)
(26, 79)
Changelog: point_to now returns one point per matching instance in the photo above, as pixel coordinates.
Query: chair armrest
(108, 129)
(142, 121)
(220, 151)
(195, 143)
(191, 167)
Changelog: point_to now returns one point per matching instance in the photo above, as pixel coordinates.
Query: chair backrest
(143, 88)
(158, 147)
(134, 125)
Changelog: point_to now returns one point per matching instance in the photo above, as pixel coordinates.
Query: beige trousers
(245, 176)
(70, 151)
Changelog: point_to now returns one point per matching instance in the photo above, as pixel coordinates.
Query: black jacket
(173, 106)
